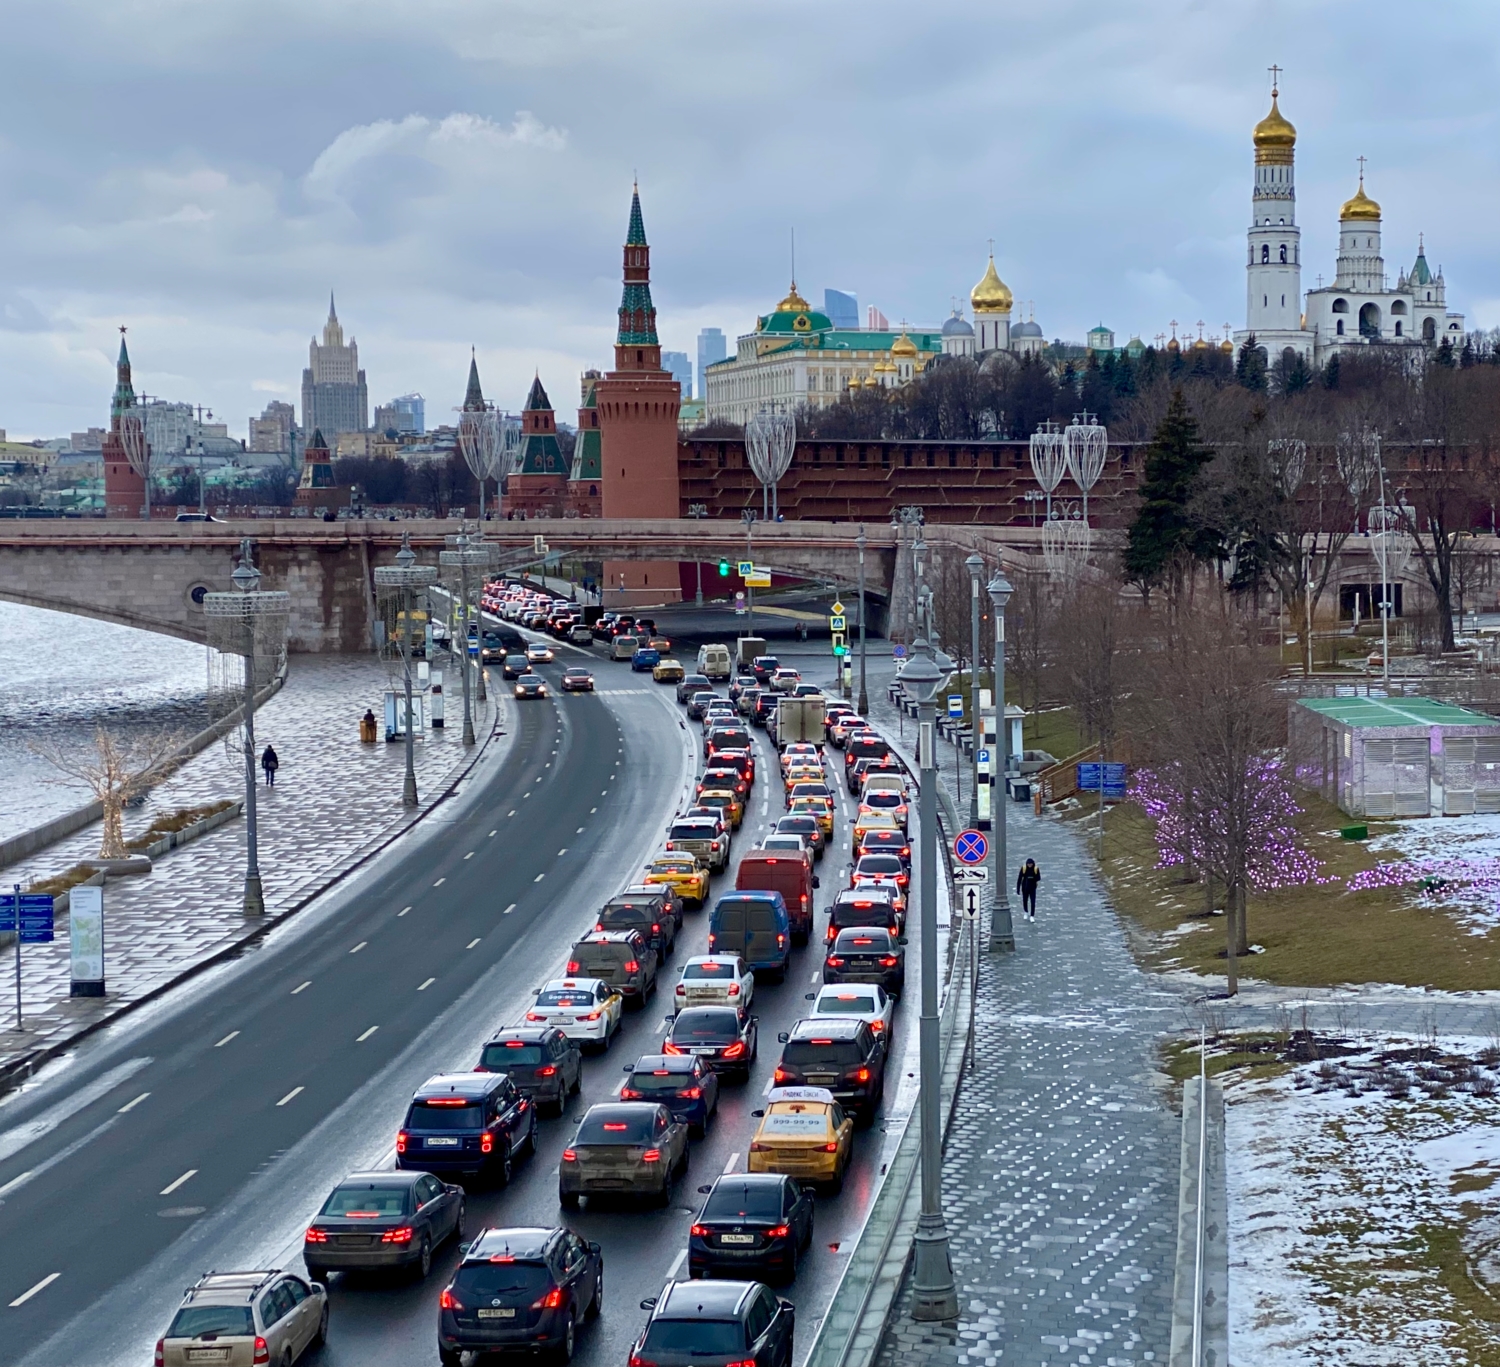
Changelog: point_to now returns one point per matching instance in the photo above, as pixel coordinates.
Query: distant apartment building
(91, 440)
(712, 347)
(842, 309)
(405, 416)
(272, 431)
(677, 364)
(334, 395)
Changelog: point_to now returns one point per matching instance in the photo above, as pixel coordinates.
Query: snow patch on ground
(1468, 838)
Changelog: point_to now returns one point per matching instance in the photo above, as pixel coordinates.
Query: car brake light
(486, 1142)
(632, 966)
(316, 1236)
(861, 1074)
(574, 966)
(401, 1142)
(780, 1232)
(890, 961)
(711, 939)
(629, 1094)
(636, 1360)
(833, 961)
(876, 1026)
(735, 1049)
(734, 990)
(536, 1016)
(692, 1093)
(570, 1155)
(670, 845)
(448, 1301)
(547, 1070)
(650, 1156)
(397, 1236)
(161, 1352)
(781, 1075)
(831, 1148)
(669, 1048)
(592, 1016)
(699, 1231)
(756, 1147)
(655, 929)
(681, 990)
(550, 1301)
(262, 1351)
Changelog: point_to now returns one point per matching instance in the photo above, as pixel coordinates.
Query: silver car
(242, 1318)
(623, 1148)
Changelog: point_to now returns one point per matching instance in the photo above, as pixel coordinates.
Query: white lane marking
(14, 1140)
(294, 1092)
(620, 1085)
(131, 1105)
(525, 795)
(303, 988)
(172, 1186)
(441, 881)
(562, 851)
(403, 911)
(16, 1182)
(733, 1163)
(426, 985)
(512, 812)
(579, 831)
(539, 878)
(363, 943)
(592, 810)
(604, 792)
(472, 942)
(676, 1267)
(509, 909)
(816, 975)
(231, 1035)
(662, 1028)
(360, 1039)
(495, 832)
(470, 855)
(40, 1286)
(770, 1082)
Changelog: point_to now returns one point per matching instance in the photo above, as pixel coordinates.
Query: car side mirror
(809, 996)
(649, 1303)
(595, 1248)
(628, 1068)
(464, 1248)
(757, 1115)
(783, 1037)
(816, 881)
(703, 1191)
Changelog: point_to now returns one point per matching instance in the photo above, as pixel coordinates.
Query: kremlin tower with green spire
(124, 490)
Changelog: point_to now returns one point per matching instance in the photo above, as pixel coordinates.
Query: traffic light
(723, 569)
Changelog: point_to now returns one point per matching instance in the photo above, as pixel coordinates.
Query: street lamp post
(934, 1296)
(462, 555)
(1002, 932)
(748, 518)
(400, 580)
(864, 698)
(976, 722)
(698, 511)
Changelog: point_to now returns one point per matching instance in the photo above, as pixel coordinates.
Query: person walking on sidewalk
(270, 764)
(1027, 879)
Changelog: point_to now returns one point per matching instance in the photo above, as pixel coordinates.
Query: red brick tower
(638, 403)
(124, 490)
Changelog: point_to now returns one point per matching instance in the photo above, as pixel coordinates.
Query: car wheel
(565, 1348)
(449, 1357)
(286, 1357)
(502, 1170)
(568, 1200)
(462, 1223)
(837, 1185)
(321, 1337)
(423, 1265)
(596, 1305)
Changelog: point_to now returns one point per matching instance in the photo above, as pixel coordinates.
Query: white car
(785, 841)
(538, 653)
(714, 980)
(584, 1009)
(801, 752)
(868, 1001)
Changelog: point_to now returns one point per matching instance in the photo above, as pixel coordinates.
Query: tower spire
(124, 396)
(636, 344)
(473, 395)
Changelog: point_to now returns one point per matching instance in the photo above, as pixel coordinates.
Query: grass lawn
(1313, 936)
(1053, 729)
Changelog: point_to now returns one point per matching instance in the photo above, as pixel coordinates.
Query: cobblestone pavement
(334, 800)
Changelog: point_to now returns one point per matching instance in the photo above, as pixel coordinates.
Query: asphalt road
(205, 1132)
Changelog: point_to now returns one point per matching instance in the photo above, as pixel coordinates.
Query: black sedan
(520, 1289)
(531, 686)
(808, 828)
(577, 679)
(887, 842)
(754, 1222)
(382, 1220)
(543, 1062)
(723, 1037)
(714, 1324)
(867, 954)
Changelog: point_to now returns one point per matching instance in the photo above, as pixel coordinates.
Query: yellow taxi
(802, 773)
(803, 1133)
(668, 671)
(726, 798)
(683, 874)
(819, 808)
(868, 821)
(814, 788)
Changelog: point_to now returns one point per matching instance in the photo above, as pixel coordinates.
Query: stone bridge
(153, 575)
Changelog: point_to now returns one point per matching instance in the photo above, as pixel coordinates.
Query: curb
(19, 1069)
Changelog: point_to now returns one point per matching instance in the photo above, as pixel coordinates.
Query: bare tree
(116, 771)
(1027, 624)
(1091, 657)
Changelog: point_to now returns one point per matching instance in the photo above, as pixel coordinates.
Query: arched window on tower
(1341, 327)
(1283, 253)
(1265, 252)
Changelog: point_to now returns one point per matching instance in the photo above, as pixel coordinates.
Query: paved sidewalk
(334, 801)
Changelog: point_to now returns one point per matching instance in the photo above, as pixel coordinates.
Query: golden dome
(1227, 347)
(1274, 133)
(991, 294)
(1361, 208)
(871, 382)
(794, 302)
(904, 346)
(884, 367)
(1174, 345)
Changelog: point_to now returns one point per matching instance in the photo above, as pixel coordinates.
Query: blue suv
(683, 1083)
(645, 659)
(472, 1124)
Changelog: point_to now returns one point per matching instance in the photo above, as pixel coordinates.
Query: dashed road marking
(363, 943)
(426, 985)
(303, 988)
(40, 1286)
(539, 878)
(562, 851)
(677, 1265)
(509, 909)
(473, 942)
(15, 1182)
(296, 1091)
(172, 1186)
(579, 831)
(128, 1106)
(494, 832)
(441, 881)
(592, 810)
(512, 812)
(226, 1039)
(403, 911)
(733, 1163)
(360, 1039)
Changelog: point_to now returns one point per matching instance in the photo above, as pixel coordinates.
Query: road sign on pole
(837, 609)
(971, 902)
(1093, 776)
(898, 652)
(746, 567)
(971, 847)
(837, 622)
(979, 873)
(955, 704)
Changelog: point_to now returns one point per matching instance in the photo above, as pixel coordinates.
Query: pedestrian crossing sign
(836, 623)
(747, 568)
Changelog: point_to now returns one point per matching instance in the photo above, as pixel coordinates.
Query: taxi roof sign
(820, 1094)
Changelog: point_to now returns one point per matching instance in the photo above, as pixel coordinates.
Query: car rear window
(363, 1199)
(714, 799)
(839, 1053)
(864, 941)
(883, 797)
(696, 1338)
(750, 1200)
(192, 1321)
(846, 1004)
(723, 972)
(880, 863)
(425, 1116)
(707, 1024)
(616, 1129)
(869, 747)
(592, 957)
(660, 1080)
(692, 830)
(621, 916)
(560, 996)
(526, 1280)
(511, 1055)
(797, 825)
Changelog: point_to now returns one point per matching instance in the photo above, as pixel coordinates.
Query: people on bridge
(270, 763)
(1028, 877)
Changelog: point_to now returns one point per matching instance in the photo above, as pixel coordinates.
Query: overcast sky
(459, 172)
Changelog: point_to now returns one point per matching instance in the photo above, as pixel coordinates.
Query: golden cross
(1275, 79)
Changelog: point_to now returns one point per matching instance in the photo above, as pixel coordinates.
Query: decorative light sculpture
(479, 441)
(1049, 460)
(132, 432)
(1087, 445)
(770, 439)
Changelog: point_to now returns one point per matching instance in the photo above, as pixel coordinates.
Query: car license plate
(816, 1079)
(356, 1240)
(707, 1050)
(561, 1020)
(447, 1141)
(208, 1354)
(736, 1238)
(506, 1314)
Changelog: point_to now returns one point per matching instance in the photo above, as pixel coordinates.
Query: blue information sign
(971, 847)
(36, 917)
(1093, 776)
(955, 704)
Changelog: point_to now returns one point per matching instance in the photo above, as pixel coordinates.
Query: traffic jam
(706, 924)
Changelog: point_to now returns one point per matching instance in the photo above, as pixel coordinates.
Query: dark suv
(867, 954)
(651, 912)
(473, 1124)
(520, 1288)
(845, 1056)
(624, 959)
(765, 708)
(683, 1083)
(715, 1324)
(542, 1061)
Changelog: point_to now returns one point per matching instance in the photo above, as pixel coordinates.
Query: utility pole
(1002, 932)
(864, 698)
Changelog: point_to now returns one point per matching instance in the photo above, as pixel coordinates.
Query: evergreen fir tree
(1331, 372)
(1165, 537)
(1250, 365)
(1444, 355)
(1467, 358)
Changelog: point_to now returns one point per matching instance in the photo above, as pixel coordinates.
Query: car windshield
(193, 1321)
(441, 1116)
(827, 1053)
(696, 1338)
(723, 972)
(526, 1280)
(576, 673)
(659, 1080)
(846, 1004)
(743, 1200)
(367, 1200)
(512, 1054)
(563, 997)
(616, 1128)
(708, 1026)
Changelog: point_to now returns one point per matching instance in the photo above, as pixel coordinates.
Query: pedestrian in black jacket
(270, 763)
(1027, 879)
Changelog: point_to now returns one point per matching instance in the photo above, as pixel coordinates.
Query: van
(623, 648)
(755, 926)
(713, 660)
(791, 875)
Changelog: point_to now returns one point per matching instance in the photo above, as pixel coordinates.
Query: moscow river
(62, 675)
